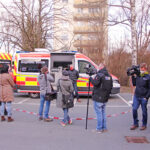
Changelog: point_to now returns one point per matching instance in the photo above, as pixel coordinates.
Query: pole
(87, 110)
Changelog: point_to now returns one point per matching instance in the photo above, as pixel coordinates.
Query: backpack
(107, 83)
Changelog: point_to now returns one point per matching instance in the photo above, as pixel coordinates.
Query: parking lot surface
(28, 133)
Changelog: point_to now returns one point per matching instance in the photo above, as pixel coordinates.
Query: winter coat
(45, 86)
(64, 86)
(74, 75)
(99, 93)
(6, 88)
(142, 83)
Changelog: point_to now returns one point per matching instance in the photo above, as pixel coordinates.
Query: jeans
(76, 90)
(66, 116)
(47, 107)
(137, 101)
(101, 115)
(8, 108)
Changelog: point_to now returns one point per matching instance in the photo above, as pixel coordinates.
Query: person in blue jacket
(141, 96)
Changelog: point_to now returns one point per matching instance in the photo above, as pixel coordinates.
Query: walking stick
(87, 111)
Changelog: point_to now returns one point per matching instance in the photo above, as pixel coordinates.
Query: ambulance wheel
(34, 95)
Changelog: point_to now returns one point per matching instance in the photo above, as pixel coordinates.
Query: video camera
(133, 70)
(89, 70)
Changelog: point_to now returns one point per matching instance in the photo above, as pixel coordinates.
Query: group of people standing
(67, 85)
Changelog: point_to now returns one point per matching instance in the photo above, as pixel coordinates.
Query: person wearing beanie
(65, 90)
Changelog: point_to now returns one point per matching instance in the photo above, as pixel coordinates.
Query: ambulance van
(5, 58)
(27, 68)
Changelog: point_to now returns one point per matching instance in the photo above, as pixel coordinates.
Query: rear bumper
(26, 89)
(115, 90)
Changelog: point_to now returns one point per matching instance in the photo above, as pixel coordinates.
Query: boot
(10, 119)
(3, 118)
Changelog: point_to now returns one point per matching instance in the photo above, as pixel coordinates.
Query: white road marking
(124, 100)
(23, 101)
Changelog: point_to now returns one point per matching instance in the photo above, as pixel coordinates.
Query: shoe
(97, 131)
(10, 119)
(70, 121)
(63, 124)
(78, 100)
(48, 119)
(105, 130)
(134, 127)
(143, 128)
(40, 118)
(3, 118)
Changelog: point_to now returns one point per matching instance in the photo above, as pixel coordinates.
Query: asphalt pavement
(28, 133)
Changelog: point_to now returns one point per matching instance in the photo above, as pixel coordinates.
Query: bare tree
(31, 23)
(134, 15)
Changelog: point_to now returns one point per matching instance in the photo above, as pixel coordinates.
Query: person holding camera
(102, 88)
(44, 80)
(74, 75)
(141, 96)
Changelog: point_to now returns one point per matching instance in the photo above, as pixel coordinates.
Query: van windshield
(29, 65)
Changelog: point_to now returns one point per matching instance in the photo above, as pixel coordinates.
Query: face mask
(142, 72)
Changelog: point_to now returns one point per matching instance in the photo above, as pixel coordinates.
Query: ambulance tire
(34, 95)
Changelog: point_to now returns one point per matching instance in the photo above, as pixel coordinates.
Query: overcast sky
(116, 33)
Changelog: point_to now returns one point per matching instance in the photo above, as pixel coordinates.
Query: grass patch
(125, 89)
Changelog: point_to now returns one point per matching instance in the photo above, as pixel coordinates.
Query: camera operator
(74, 75)
(102, 88)
(141, 96)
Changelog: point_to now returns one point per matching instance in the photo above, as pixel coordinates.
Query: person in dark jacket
(100, 96)
(74, 75)
(65, 88)
(141, 96)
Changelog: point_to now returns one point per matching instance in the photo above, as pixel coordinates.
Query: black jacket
(142, 84)
(99, 93)
(74, 75)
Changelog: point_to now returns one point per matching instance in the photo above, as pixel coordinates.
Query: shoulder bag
(52, 95)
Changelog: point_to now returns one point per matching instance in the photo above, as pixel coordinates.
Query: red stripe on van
(20, 82)
(31, 79)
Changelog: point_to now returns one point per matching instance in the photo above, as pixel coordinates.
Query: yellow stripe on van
(81, 84)
(19, 78)
(29, 83)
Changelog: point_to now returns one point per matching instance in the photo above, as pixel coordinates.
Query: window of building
(94, 10)
(80, 10)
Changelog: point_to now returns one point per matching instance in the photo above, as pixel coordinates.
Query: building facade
(88, 32)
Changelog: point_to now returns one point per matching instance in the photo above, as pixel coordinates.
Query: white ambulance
(27, 66)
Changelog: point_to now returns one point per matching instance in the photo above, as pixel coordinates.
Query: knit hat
(65, 73)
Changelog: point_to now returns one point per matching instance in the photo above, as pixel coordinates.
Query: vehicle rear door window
(29, 65)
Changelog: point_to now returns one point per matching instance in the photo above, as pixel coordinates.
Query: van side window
(82, 64)
(29, 65)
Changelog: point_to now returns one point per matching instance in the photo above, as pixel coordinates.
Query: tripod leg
(87, 106)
